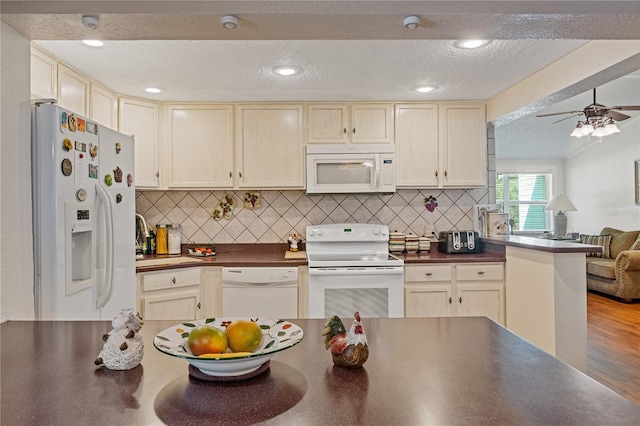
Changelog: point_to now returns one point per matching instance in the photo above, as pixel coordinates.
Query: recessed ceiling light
(152, 90)
(425, 89)
(229, 22)
(471, 44)
(94, 43)
(287, 70)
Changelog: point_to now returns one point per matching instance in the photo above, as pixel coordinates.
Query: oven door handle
(355, 271)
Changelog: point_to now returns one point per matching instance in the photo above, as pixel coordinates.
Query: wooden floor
(613, 345)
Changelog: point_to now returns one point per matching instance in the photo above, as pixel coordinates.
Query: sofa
(616, 271)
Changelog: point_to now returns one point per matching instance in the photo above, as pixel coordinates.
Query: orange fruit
(206, 339)
(244, 336)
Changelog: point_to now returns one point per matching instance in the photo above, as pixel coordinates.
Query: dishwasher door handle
(257, 285)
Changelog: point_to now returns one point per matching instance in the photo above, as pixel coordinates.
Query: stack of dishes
(396, 242)
(411, 243)
(424, 244)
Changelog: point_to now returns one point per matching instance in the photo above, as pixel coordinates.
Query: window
(523, 196)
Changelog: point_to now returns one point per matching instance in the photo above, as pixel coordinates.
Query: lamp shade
(560, 203)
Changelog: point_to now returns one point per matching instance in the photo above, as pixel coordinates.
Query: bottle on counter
(152, 241)
(162, 246)
(175, 238)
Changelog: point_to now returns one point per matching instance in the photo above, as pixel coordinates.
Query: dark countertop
(272, 255)
(420, 371)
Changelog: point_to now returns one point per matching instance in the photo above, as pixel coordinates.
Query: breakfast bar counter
(420, 371)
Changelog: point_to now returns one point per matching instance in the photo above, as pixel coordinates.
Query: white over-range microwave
(362, 168)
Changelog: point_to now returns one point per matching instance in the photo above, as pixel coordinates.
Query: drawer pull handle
(450, 300)
(460, 299)
(429, 274)
(173, 280)
(481, 273)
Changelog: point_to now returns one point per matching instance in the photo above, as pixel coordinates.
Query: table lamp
(561, 204)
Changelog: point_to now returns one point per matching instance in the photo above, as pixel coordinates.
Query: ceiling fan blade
(558, 113)
(628, 107)
(616, 115)
(566, 118)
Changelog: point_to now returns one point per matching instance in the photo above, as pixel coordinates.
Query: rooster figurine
(348, 349)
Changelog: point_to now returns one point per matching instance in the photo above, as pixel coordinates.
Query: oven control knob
(384, 231)
(376, 231)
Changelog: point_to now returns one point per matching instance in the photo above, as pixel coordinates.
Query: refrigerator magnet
(81, 194)
(108, 180)
(93, 171)
(118, 147)
(67, 145)
(93, 150)
(92, 127)
(117, 174)
(67, 167)
(71, 119)
(129, 179)
(118, 198)
(81, 124)
(63, 121)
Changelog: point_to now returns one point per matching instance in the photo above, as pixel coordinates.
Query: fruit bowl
(277, 335)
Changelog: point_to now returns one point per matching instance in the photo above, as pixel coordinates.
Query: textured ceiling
(348, 50)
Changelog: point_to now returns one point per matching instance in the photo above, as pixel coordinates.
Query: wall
(599, 181)
(16, 243)
(283, 212)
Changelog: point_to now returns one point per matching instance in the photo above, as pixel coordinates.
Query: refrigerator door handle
(105, 294)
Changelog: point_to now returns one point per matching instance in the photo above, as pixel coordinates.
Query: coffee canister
(175, 238)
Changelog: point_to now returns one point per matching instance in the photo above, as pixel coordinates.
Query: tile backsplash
(282, 213)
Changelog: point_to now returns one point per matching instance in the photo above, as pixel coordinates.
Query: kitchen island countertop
(420, 371)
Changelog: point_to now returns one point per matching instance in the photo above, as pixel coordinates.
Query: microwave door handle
(376, 177)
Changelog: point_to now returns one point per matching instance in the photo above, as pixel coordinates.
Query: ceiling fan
(599, 119)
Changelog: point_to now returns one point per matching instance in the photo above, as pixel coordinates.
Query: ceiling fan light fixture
(577, 132)
(599, 132)
(611, 128)
(587, 129)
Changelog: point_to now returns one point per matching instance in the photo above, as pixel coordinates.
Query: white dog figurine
(123, 346)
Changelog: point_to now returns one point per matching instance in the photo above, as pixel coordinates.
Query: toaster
(459, 242)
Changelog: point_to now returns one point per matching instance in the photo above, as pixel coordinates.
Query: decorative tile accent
(285, 212)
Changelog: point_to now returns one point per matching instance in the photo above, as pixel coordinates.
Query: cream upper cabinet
(270, 146)
(463, 141)
(140, 119)
(73, 90)
(103, 106)
(200, 146)
(350, 123)
(44, 76)
(417, 145)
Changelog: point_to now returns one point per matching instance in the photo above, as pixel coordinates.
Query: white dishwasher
(260, 292)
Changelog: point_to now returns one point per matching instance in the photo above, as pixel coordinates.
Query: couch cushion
(602, 268)
(598, 240)
(621, 240)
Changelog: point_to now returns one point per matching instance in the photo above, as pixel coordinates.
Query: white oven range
(350, 269)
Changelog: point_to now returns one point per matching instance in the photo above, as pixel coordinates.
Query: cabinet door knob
(240, 174)
(445, 173)
(481, 273)
(460, 299)
(344, 130)
(157, 174)
(230, 174)
(450, 300)
(354, 130)
(173, 280)
(436, 173)
(199, 305)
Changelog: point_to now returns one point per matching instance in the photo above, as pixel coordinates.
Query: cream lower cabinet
(442, 290)
(174, 294)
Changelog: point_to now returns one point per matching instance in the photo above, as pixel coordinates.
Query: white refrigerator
(83, 217)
